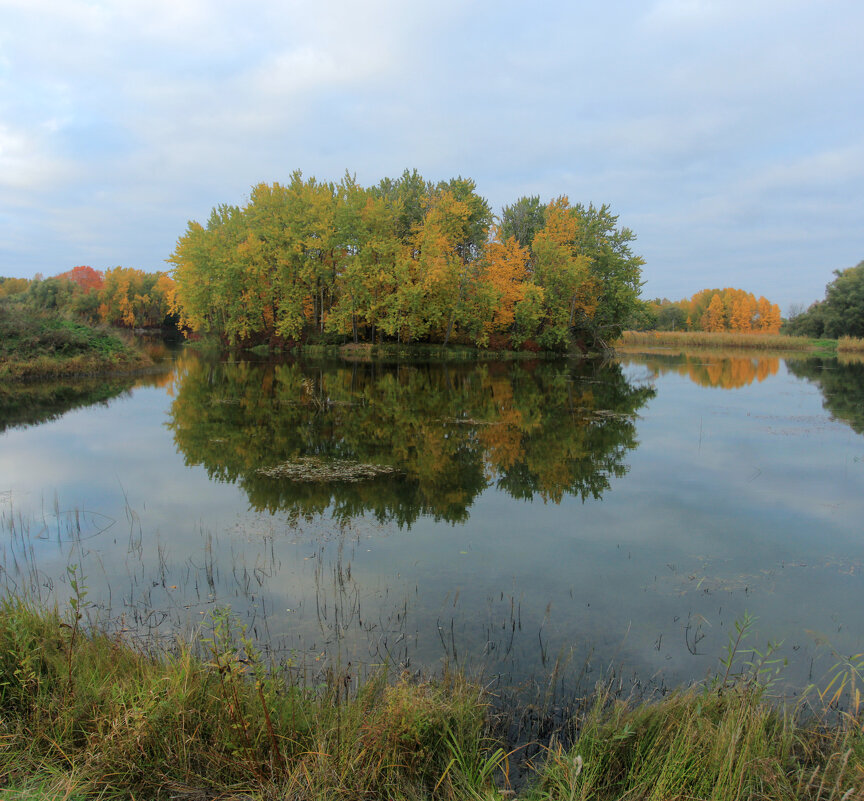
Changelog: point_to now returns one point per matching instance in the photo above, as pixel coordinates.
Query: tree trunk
(449, 331)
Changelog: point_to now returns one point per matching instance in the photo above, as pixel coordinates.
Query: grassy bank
(694, 340)
(86, 715)
(40, 344)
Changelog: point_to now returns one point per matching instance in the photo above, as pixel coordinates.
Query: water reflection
(28, 404)
(841, 384)
(24, 404)
(447, 432)
(721, 370)
(734, 502)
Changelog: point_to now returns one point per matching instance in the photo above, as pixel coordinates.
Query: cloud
(25, 165)
(702, 123)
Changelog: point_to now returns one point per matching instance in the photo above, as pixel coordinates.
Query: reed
(707, 339)
(850, 345)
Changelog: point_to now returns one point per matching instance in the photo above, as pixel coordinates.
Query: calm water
(512, 515)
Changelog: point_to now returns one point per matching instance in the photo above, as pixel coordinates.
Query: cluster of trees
(715, 310)
(449, 432)
(405, 260)
(122, 296)
(841, 313)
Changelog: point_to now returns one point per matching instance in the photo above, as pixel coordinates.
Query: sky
(727, 134)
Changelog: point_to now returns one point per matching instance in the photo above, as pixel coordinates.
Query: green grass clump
(721, 744)
(38, 344)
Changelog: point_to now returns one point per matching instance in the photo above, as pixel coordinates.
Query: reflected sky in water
(625, 514)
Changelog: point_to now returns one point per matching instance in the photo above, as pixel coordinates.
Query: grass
(40, 344)
(707, 339)
(724, 744)
(85, 715)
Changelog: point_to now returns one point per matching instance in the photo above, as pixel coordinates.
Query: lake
(526, 519)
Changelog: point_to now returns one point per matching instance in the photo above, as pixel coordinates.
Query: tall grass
(85, 715)
(723, 744)
(123, 723)
(708, 339)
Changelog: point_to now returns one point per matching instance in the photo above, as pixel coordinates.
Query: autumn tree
(743, 310)
(570, 292)
(135, 299)
(768, 316)
(206, 274)
(13, 286)
(88, 279)
(505, 270)
(731, 309)
(714, 318)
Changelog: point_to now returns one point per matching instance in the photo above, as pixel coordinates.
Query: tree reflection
(841, 384)
(720, 370)
(449, 432)
(32, 403)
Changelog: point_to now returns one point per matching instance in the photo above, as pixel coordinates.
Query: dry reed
(709, 339)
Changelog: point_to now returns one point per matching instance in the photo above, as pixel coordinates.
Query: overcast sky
(728, 134)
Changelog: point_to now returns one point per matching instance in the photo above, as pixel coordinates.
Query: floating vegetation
(316, 469)
(608, 413)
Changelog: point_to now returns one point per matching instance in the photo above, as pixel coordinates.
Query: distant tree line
(404, 261)
(841, 313)
(12, 286)
(122, 296)
(714, 310)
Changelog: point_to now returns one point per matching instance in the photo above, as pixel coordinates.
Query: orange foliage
(729, 373)
(714, 318)
(506, 271)
(86, 277)
(731, 310)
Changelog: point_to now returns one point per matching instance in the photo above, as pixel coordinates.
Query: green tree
(841, 313)
(408, 197)
(616, 270)
(522, 220)
(368, 249)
